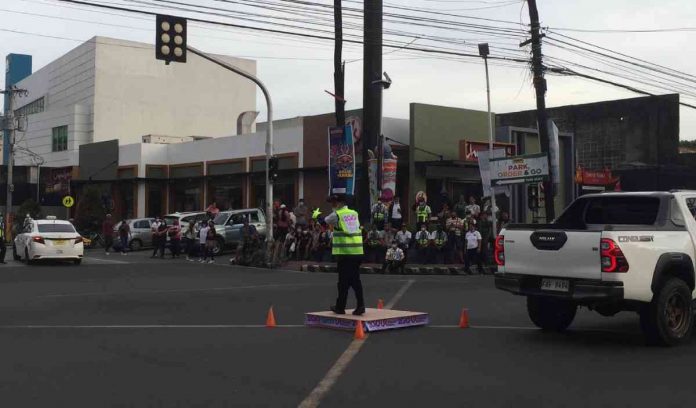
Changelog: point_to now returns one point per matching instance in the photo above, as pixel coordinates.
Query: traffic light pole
(269, 139)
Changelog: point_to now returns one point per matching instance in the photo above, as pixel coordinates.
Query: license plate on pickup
(558, 285)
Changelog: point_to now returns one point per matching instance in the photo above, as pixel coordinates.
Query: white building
(109, 89)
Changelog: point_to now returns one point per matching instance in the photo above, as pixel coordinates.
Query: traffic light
(170, 44)
(533, 196)
(273, 168)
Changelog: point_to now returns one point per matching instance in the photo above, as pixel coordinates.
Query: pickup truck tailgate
(554, 253)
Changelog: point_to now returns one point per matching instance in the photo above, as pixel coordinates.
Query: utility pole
(339, 67)
(11, 127)
(540, 87)
(484, 50)
(372, 94)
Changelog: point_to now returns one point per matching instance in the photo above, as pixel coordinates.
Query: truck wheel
(219, 246)
(668, 319)
(551, 314)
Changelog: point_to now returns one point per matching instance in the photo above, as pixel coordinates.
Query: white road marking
(319, 392)
(109, 261)
(454, 326)
(147, 326)
(155, 291)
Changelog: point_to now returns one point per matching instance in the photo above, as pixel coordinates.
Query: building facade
(107, 89)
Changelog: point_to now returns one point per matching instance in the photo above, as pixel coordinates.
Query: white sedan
(48, 239)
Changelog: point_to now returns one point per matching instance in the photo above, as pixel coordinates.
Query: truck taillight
(499, 252)
(612, 259)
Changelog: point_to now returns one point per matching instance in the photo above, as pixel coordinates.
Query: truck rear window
(629, 210)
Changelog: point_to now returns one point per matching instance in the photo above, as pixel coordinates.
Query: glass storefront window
(283, 190)
(227, 194)
(185, 195)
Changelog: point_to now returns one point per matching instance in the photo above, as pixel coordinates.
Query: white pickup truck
(610, 252)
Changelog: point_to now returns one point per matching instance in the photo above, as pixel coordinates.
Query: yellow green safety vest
(424, 239)
(347, 238)
(422, 214)
(440, 240)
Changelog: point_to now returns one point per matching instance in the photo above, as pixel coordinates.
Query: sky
(298, 70)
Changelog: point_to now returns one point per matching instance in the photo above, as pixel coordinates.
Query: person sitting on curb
(394, 261)
(439, 240)
(423, 244)
(375, 244)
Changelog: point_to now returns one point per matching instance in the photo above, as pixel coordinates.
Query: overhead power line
(292, 33)
(619, 31)
(570, 72)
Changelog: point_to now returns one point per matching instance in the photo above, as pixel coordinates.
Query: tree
(30, 207)
(90, 212)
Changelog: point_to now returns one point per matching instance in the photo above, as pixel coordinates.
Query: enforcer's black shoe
(337, 311)
(359, 311)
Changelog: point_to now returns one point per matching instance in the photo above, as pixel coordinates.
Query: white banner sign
(532, 168)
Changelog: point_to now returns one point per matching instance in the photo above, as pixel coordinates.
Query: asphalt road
(128, 331)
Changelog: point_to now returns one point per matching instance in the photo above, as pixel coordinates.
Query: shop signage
(532, 168)
(341, 160)
(469, 150)
(594, 177)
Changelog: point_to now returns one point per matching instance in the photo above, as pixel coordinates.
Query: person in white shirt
(394, 261)
(423, 244)
(473, 249)
(473, 208)
(395, 214)
(403, 238)
(202, 239)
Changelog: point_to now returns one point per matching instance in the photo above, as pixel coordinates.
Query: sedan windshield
(56, 228)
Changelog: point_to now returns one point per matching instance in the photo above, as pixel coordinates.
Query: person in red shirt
(108, 233)
(212, 210)
(174, 233)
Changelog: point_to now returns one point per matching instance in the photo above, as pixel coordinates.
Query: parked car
(140, 233)
(48, 239)
(184, 219)
(228, 225)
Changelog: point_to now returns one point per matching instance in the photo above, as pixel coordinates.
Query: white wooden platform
(373, 319)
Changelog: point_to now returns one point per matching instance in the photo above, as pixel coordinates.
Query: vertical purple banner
(341, 160)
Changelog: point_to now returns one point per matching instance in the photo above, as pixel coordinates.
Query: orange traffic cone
(380, 304)
(464, 319)
(359, 331)
(270, 319)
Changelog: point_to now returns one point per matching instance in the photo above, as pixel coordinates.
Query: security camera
(386, 83)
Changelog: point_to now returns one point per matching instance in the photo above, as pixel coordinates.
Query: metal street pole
(269, 137)
(484, 51)
(494, 221)
(10, 126)
(38, 184)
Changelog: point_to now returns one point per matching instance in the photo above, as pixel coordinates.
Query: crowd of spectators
(457, 234)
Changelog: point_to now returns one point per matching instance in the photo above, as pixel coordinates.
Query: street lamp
(384, 84)
(484, 50)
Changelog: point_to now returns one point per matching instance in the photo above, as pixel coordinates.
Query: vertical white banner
(554, 154)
